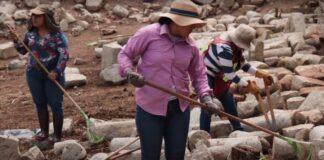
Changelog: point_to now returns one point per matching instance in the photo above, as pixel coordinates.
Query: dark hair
(49, 21)
(165, 20)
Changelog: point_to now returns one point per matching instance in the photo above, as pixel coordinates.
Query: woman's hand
(13, 34)
(52, 76)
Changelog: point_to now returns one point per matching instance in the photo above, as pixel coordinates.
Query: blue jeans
(173, 128)
(229, 105)
(45, 92)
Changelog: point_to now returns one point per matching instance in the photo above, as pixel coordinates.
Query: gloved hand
(135, 79)
(252, 88)
(212, 107)
(265, 75)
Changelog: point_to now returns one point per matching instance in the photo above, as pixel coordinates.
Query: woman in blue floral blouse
(49, 45)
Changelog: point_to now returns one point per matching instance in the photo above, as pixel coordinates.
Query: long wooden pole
(266, 87)
(204, 105)
(121, 148)
(125, 153)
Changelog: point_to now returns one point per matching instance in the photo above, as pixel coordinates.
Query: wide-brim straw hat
(39, 10)
(242, 36)
(184, 13)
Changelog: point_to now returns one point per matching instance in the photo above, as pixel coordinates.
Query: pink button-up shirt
(166, 63)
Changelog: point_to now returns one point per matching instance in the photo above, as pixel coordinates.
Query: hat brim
(36, 11)
(237, 42)
(184, 20)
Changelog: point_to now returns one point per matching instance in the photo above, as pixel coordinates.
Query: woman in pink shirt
(169, 57)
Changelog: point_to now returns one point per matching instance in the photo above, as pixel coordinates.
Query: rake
(92, 137)
(298, 148)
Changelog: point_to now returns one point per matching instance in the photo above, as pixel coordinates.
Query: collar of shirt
(165, 31)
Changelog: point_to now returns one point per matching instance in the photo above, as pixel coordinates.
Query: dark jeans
(173, 128)
(45, 92)
(229, 105)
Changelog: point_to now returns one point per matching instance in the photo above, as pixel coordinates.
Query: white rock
(32, 3)
(109, 129)
(247, 109)
(73, 151)
(308, 58)
(7, 50)
(252, 14)
(267, 18)
(317, 29)
(221, 147)
(226, 19)
(21, 15)
(220, 27)
(288, 62)
(154, 17)
(314, 116)
(16, 63)
(33, 153)
(56, 5)
(242, 19)
(94, 5)
(7, 7)
(297, 22)
(283, 120)
(281, 150)
(279, 42)
(64, 24)
(98, 52)
(9, 147)
(280, 24)
(278, 52)
(259, 64)
(314, 100)
(299, 82)
(70, 150)
(289, 94)
(69, 17)
(291, 131)
(280, 72)
(312, 71)
(18, 133)
(75, 79)
(220, 129)
(120, 11)
(76, 31)
(109, 54)
(317, 133)
(295, 102)
(111, 76)
(99, 156)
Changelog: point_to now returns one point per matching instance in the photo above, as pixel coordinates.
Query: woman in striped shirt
(222, 59)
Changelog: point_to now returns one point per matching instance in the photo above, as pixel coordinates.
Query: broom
(93, 138)
(299, 150)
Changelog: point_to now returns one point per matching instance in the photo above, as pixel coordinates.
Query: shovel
(274, 124)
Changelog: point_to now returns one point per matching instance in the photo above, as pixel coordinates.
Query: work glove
(211, 106)
(252, 88)
(135, 79)
(265, 75)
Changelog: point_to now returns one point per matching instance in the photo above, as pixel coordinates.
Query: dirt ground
(98, 100)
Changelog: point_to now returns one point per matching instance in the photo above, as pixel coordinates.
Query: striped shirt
(219, 58)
